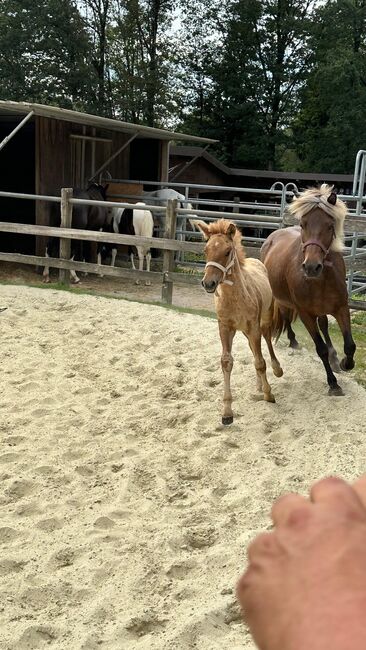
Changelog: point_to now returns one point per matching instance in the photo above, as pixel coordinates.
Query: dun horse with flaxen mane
(307, 273)
(243, 300)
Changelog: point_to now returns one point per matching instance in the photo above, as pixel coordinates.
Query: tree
(267, 43)
(331, 124)
(40, 58)
(98, 15)
(255, 71)
(140, 60)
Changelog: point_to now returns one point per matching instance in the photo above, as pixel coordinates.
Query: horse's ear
(202, 226)
(332, 198)
(231, 230)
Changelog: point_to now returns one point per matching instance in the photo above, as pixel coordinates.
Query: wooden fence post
(66, 222)
(168, 256)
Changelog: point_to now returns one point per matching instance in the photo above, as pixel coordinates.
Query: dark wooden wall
(17, 175)
(200, 172)
(58, 160)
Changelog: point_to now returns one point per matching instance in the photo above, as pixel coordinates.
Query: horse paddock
(126, 505)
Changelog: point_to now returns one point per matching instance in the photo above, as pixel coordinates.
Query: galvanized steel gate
(264, 211)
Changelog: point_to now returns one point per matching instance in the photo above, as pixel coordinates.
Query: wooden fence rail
(168, 244)
(110, 238)
(65, 233)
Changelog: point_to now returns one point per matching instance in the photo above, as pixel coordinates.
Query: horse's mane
(317, 197)
(220, 227)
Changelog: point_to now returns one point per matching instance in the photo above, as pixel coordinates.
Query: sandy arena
(126, 507)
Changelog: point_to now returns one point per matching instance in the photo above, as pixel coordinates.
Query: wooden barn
(55, 148)
(195, 165)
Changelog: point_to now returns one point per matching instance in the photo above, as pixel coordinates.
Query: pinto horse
(129, 221)
(307, 273)
(84, 217)
(244, 302)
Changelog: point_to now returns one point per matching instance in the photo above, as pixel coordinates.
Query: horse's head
(221, 237)
(96, 189)
(321, 216)
(317, 234)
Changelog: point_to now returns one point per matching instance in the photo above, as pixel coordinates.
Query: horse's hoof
(270, 398)
(277, 371)
(336, 391)
(46, 280)
(335, 366)
(295, 345)
(227, 419)
(347, 364)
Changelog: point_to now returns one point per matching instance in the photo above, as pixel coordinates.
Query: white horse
(161, 197)
(129, 221)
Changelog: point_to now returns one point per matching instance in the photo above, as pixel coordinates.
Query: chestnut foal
(243, 301)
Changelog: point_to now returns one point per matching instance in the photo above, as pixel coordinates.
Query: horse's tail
(282, 316)
(194, 225)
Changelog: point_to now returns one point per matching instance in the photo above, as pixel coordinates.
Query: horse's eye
(227, 253)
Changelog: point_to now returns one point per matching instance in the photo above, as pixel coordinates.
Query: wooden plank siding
(58, 160)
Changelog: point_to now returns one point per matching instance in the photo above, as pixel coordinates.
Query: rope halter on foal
(226, 270)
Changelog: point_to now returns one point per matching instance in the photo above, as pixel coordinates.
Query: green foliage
(280, 83)
(331, 124)
(44, 53)
(140, 59)
(255, 74)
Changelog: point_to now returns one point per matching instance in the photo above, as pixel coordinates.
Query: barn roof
(190, 152)
(13, 108)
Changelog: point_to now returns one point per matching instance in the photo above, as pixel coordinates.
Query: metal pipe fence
(256, 215)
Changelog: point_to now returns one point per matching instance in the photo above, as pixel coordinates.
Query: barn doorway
(17, 162)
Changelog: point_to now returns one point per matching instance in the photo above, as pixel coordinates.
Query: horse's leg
(130, 251)
(74, 277)
(148, 263)
(99, 262)
(77, 253)
(259, 378)
(311, 325)
(332, 353)
(286, 315)
(113, 256)
(140, 253)
(260, 364)
(294, 344)
(276, 366)
(344, 322)
(99, 255)
(85, 254)
(46, 270)
(227, 337)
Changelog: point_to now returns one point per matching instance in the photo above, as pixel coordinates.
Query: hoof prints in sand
(126, 505)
